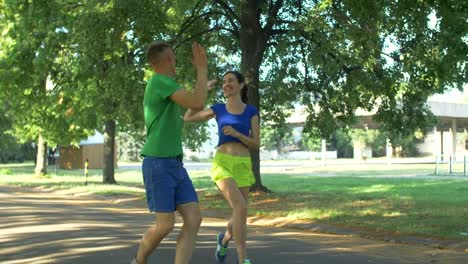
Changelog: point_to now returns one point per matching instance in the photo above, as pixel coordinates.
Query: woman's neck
(234, 101)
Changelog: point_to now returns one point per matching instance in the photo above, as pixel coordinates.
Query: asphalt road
(38, 227)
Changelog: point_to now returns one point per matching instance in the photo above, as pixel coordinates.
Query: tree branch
(230, 13)
(71, 7)
(275, 32)
(306, 64)
(284, 21)
(390, 56)
(272, 16)
(340, 16)
(201, 33)
(190, 20)
(346, 68)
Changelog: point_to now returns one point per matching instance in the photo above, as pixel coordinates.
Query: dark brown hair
(155, 49)
(240, 78)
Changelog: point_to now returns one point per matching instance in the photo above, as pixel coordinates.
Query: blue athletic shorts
(167, 184)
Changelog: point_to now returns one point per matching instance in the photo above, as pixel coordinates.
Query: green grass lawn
(402, 206)
(369, 169)
(426, 207)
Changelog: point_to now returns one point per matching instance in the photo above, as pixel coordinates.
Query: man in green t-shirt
(168, 186)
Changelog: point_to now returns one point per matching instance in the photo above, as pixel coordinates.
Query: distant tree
(32, 53)
(276, 136)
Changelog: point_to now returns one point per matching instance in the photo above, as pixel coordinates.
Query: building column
(466, 139)
(435, 150)
(454, 138)
(441, 145)
(388, 151)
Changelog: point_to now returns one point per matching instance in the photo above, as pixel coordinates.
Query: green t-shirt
(163, 118)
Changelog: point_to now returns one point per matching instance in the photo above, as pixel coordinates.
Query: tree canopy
(337, 56)
(333, 57)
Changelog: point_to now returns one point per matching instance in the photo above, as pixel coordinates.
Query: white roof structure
(446, 112)
(97, 138)
(446, 109)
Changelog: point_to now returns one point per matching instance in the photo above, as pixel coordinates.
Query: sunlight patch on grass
(394, 214)
(315, 214)
(374, 188)
(42, 176)
(367, 212)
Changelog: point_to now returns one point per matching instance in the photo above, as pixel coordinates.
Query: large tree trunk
(109, 152)
(253, 44)
(41, 158)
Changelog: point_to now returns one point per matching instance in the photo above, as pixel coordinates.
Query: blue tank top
(240, 122)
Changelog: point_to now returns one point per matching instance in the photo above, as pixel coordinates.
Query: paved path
(52, 228)
(194, 166)
(314, 168)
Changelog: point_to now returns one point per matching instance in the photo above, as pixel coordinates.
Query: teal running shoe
(221, 250)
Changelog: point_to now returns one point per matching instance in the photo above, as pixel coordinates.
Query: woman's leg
(237, 199)
(228, 235)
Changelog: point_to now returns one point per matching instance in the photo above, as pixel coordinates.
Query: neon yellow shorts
(235, 167)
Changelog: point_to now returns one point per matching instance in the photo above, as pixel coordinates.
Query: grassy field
(402, 206)
(406, 206)
(372, 169)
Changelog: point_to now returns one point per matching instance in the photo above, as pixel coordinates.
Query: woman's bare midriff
(234, 149)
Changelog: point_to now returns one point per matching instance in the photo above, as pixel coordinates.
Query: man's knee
(194, 222)
(164, 227)
(192, 216)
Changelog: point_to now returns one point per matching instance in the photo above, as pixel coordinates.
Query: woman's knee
(240, 206)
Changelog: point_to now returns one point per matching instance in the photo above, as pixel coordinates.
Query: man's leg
(163, 225)
(191, 215)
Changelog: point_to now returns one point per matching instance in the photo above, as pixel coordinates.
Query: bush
(194, 158)
(6, 172)
(343, 144)
(407, 145)
(11, 151)
(311, 141)
(129, 145)
(374, 138)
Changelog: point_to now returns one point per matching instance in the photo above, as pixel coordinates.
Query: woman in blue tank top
(238, 130)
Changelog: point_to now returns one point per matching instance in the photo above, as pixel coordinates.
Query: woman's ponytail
(244, 92)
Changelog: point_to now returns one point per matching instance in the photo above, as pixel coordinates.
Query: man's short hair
(155, 50)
